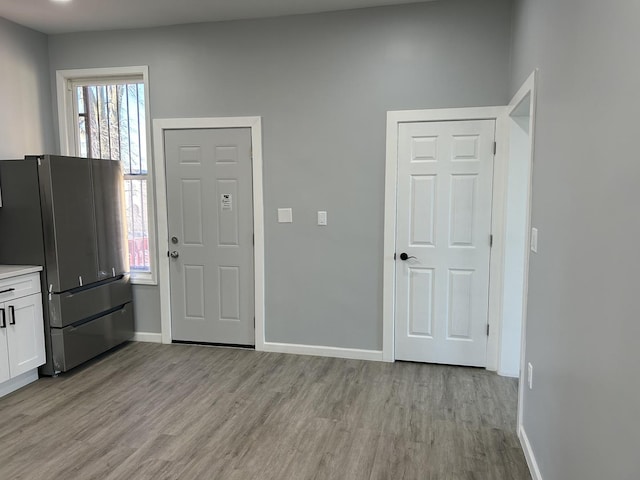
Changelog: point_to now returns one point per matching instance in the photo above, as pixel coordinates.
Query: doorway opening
(517, 225)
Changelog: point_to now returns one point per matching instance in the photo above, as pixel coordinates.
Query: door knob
(174, 254)
(404, 256)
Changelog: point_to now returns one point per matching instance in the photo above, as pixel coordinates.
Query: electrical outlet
(534, 240)
(322, 218)
(530, 375)
(285, 215)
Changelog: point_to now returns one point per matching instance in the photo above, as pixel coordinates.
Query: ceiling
(50, 16)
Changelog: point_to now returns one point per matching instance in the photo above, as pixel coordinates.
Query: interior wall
(26, 125)
(581, 417)
(322, 84)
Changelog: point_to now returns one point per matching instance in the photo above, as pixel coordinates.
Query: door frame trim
(160, 125)
(394, 118)
(528, 89)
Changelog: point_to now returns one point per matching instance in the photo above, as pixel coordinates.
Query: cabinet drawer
(20, 286)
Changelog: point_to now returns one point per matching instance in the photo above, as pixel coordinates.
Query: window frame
(69, 142)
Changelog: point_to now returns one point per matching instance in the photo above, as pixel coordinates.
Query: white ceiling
(52, 17)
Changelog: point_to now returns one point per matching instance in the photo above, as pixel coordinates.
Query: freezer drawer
(71, 307)
(72, 346)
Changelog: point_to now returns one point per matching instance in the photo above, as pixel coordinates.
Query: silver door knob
(174, 254)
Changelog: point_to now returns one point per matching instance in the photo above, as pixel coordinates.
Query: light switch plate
(322, 218)
(285, 215)
(534, 240)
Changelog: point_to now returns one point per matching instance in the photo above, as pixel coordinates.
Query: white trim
(319, 351)
(18, 382)
(534, 469)
(528, 88)
(68, 147)
(394, 118)
(255, 124)
(148, 337)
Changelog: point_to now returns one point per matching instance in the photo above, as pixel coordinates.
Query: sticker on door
(226, 200)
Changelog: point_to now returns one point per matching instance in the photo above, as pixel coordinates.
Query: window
(106, 117)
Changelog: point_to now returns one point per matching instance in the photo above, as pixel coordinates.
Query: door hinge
(491, 240)
(487, 329)
(495, 147)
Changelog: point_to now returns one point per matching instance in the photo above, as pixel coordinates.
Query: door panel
(108, 191)
(191, 212)
(210, 213)
(421, 298)
(70, 226)
(25, 334)
(445, 172)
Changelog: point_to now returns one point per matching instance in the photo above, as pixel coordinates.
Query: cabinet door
(25, 334)
(4, 354)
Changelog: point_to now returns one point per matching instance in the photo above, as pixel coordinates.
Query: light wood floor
(150, 411)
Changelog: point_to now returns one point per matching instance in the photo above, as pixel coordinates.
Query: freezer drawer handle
(7, 290)
(3, 318)
(12, 315)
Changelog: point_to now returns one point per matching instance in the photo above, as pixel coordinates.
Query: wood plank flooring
(149, 411)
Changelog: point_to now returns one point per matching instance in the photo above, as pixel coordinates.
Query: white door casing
(444, 191)
(160, 126)
(210, 217)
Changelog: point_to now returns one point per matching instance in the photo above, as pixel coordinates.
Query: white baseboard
(528, 454)
(18, 382)
(336, 352)
(147, 337)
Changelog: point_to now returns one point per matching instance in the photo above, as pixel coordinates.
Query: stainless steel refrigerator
(67, 214)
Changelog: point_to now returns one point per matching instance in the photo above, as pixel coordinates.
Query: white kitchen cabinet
(25, 337)
(22, 348)
(4, 349)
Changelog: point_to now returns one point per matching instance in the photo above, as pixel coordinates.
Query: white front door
(210, 217)
(444, 200)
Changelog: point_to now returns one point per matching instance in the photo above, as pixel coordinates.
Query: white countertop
(8, 271)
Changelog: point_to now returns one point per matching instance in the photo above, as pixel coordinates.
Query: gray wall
(583, 324)
(322, 84)
(25, 97)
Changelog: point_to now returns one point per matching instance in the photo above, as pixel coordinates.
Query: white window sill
(143, 279)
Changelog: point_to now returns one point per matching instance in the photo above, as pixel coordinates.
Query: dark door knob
(404, 256)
